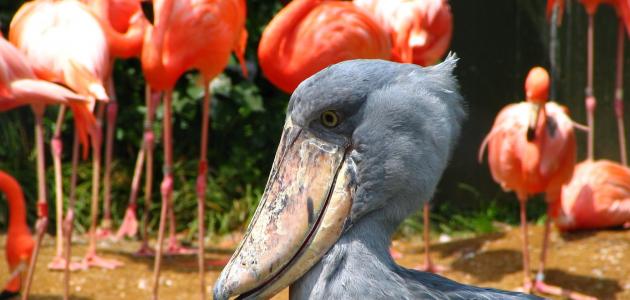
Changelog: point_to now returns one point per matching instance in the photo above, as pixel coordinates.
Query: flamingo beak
(147, 10)
(304, 210)
(534, 114)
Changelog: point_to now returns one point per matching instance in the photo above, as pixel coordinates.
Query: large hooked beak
(534, 114)
(303, 212)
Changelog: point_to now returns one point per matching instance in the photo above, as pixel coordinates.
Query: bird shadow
(602, 288)
(185, 263)
(447, 249)
(56, 297)
(489, 265)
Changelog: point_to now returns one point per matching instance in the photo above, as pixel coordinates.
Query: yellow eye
(329, 118)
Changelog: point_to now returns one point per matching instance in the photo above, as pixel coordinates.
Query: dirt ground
(595, 263)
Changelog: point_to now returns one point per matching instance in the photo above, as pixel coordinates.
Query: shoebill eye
(329, 119)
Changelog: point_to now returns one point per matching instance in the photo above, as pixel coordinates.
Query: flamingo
(124, 26)
(53, 35)
(420, 31)
(622, 8)
(186, 35)
(20, 243)
(532, 149)
(19, 86)
(309, 35)
(598, 196)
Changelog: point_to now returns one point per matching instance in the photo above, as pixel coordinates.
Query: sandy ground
(595, 263)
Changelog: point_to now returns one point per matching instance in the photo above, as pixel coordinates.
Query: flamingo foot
(543, 288)
(105, 232)
(129, 226)
(395, 253)
(59, 263)
(175, 248)
(145, 251)
(93, 260)
(432, 268)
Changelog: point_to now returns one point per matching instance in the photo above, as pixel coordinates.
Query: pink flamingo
(20, 243)
(531, 149)
(19, 86)
(189, 34)
(53, 35)
(420, 31)
(124, 25)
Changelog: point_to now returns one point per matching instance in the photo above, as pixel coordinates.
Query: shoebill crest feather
(363, 141)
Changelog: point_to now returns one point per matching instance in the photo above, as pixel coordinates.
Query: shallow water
(595, 263)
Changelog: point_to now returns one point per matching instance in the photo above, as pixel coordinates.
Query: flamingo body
(19, 86)
(20, 243)
(531, 167)
(64, 43)
(192, 35)
(420, 30)
(309, 35)
(598, 196)
(124, 25)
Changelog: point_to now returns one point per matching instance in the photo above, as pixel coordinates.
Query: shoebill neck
(357, 264)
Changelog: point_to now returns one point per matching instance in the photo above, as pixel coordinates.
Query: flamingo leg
(42, 211)
(428, 263)
(590, 101)
(129, 226)
(153, 100)
(69, 220)
(112, 110)
(91, 259)
(40, 229)
(540, 285)
(619, 93)
(166, 188)
(201, 186)
(527, 281)
(56, 146)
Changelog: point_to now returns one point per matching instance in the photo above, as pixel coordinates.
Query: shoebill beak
(302, 213)
(534, 114)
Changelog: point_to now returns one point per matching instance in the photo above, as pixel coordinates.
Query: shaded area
(591, 262)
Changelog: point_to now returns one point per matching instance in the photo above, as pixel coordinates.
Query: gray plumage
(402, 122)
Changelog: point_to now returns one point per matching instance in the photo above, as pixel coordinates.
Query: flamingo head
(537, 92)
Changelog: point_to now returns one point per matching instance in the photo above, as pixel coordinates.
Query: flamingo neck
(282, 28)
(152, 55)
(15, 198)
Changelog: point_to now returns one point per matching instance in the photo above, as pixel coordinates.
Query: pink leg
(619, 93)
(527, 280)
(56, 149)
(428, 263)
(129, 226)
(68, 222)
(152, 100)
(590, 101)
(201, 187)
(540, 285)
(40, 229)
(105, 231)
(91, 259)
(42, 212)
(59, 262)
(166, 189)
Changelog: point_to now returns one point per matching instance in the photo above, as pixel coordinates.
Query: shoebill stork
(362, 139)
